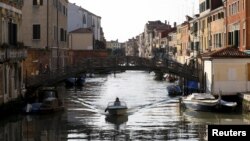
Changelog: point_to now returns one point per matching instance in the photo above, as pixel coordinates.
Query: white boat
(207, 102)
(115, 108)
(200, 102)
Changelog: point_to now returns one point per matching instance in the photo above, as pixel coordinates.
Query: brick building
(237, 23)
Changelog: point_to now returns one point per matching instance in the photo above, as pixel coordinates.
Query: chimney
(165, 21)
(174, 24)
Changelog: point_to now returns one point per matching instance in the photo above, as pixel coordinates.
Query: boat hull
(121, 111)
(200, 105)
(174, 90)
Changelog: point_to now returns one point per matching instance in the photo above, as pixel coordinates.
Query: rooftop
(227, 52)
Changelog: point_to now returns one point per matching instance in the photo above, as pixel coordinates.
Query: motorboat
(117, 108)
(47, 101)
(174, 90)
(117, 119)
(200, 102)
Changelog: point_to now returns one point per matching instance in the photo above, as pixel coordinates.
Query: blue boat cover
(192, 84)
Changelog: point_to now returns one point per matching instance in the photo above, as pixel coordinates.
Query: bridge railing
(113, 63)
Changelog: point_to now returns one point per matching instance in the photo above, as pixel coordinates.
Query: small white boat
(200, 102)
(207, 102)
(117, 108)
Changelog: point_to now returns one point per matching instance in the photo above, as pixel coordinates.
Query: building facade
(45, 33)
(237, 23)
(131, 47)
(12, 51)
(81, 39)
(79, 17)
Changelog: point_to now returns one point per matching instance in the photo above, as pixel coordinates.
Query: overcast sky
(124, 19)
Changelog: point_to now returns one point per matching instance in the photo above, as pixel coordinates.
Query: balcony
(17, 3)
(12, 53)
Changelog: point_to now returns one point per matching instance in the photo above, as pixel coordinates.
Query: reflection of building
(12, 51)
(45, 128)
(45, 32)
(11, 131)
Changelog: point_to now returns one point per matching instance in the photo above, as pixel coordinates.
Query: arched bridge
(113, 64)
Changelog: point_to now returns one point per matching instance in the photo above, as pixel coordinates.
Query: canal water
(152, 114)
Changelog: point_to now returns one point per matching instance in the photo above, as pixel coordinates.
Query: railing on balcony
(12, 53)
(17, 3)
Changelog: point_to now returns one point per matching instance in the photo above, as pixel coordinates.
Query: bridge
(112, 64)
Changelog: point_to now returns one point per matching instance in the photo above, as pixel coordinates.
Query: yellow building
(45, 33)
(81, 39)
(226, 70)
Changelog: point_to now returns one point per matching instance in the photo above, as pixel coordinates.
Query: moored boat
(47, 102)
(174, 90)
(200, 102)
(207, 102)
(74, 81)
(117, 108)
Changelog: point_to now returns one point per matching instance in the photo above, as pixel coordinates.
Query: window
(229, 38)
(37, 2)
(236, 38)
(222, 14)
(208, 4)
(84, 19)
(12, 33)
(63, 34)
(36, 31)
(244, 37)
(220, 40)
(238, 4)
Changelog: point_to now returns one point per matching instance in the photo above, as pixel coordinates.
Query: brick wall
(36, 61)
(77, 55)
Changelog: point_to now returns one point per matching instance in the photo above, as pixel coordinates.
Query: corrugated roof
(82, 30)
(227, 52)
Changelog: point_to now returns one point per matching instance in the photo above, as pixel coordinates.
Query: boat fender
(28, 108)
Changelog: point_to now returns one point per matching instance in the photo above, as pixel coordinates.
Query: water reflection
(117, 120)
(215, 118)
(42, 128)
(152, 115)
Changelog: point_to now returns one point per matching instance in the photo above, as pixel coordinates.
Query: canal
(152, 115)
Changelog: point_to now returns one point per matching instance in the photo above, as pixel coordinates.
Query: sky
(125, 19)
